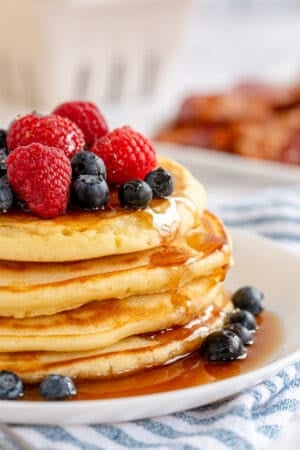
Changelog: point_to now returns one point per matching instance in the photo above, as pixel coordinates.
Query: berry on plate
(87, 163)
(161, 182)
(87, 117)
(135, 194)
(127, 155)
(57, 387)
(41, 177)
(11, 386)
(242, 332)
(245, 318)
(248, 298)
(90, 192)
(222, 345)
(52, 130)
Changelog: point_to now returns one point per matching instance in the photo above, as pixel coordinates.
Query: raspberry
(41, 177)
(127, 155)
(87, 117)
(17, 129)
(52, 131)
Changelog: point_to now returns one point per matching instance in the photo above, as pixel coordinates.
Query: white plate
(259, 262)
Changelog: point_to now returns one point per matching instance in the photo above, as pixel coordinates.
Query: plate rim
(272, 367)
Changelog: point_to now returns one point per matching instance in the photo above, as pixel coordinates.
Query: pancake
(28, 290)
(81, 235)
(106, 293)
(101, 324)
(127, 356)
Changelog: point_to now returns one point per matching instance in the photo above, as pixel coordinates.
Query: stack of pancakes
(99, 294)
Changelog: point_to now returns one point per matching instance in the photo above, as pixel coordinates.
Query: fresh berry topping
(135, 194)
(87, 163)
(6, 195)
(87, 117)
(248, 298)
(3, 139)
(243, 333)
(17, 129)
(127, 155)
(222, 345)
(57, 387)
(11, 386)
(90, 192)
(41, 177)
(3, 158)
(53, 131)
(243, 317)
(161, 182)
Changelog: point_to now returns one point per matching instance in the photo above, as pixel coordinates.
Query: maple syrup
(190, 371)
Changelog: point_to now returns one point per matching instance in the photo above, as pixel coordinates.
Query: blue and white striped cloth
(254, 419)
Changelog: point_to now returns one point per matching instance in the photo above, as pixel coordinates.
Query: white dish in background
(259, 262)
(95, 64)
(231, 174)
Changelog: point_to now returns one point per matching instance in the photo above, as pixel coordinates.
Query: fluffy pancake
(28, 290)
(127, 356)
(81, 235)
(101, 324)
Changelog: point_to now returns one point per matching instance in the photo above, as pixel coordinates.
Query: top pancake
(34, 289)
(81, 235)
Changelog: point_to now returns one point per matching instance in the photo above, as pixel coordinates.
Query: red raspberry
(41, 177)
(53, 131)
(127, 155)
(87, 117)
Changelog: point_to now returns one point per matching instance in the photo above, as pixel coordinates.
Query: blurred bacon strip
(253, 120)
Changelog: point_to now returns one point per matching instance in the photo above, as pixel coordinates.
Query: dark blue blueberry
(222, 345)
(90, 192)
(3, 139)
(161, 182)
(135, 194)
(243, 333)
(248, 298)
(243, 317)
(6, 195)
(87, 163)
(57, 387)
(3, 158)
(11, 386)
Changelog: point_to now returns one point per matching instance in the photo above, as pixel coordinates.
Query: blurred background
(215, 42)
(139, 59)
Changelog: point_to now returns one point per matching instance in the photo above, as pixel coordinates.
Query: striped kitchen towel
(255, 418)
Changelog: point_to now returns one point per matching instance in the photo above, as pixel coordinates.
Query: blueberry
(135, 194)
(57, 387)
(3, 144)
(6, 195)
(90, 192)
(248, 298)
(3, 157)
(161, 182)
(222, 345)
(243, 317)
(87, 163)
(11, 385)
(243, 333)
